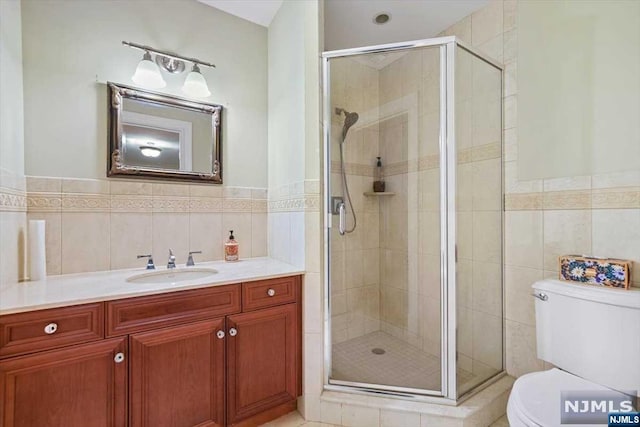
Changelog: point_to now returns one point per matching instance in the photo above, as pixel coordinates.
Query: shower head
(350, 119)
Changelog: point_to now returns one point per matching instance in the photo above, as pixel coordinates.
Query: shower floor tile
(401, 364)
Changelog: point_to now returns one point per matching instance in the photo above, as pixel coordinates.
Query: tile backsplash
(94, 225)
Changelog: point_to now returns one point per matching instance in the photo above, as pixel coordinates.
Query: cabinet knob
(271, 292)
(220, 334)
(51, 328)
(119, 358)
(233, 332)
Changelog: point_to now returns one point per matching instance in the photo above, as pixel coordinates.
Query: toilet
(591, 334)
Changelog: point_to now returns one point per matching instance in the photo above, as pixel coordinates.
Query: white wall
(287, 131)
(11, 119)
(68, 45)
(12, 200)
(286, 95)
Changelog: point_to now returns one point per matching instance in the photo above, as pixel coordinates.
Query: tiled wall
(13, 216)
(409, 220)
(288, 207)
(598, 215)
(94, 225)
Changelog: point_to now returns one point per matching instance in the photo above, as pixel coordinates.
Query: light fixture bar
(167, 54)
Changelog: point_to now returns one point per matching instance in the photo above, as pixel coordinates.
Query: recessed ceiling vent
(382, 18)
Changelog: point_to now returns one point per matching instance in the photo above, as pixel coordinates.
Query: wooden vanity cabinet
(177, 376)
(262, 371)
(226, 355)
(79, 386)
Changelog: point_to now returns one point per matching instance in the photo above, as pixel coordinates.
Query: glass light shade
(148, 74)
(195, 85)
(148, 151)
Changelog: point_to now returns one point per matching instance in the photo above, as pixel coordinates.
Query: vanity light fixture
(148, 73)
(195, 84)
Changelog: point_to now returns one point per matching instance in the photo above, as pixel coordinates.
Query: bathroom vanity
(219, 354)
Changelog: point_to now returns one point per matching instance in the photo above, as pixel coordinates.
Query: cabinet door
(81, 386)
(262, 361)
(177, 376)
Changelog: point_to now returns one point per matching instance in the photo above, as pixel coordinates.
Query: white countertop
(72, 289)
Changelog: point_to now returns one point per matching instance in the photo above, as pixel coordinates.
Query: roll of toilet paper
(37, 252)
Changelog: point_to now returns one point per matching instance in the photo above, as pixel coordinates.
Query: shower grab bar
(342, 225)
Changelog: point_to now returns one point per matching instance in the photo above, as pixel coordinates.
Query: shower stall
(413, 289)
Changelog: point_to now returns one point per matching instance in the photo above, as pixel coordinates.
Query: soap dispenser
(378, 183)
(231, 248)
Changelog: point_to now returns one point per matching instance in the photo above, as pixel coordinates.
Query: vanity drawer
(33, 331)
(158, 311)
(268, 293)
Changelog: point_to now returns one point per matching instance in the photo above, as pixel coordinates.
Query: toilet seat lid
(536, 396)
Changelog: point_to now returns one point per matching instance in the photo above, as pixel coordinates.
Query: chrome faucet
(190, 259)
(150, 265)
(172, 260)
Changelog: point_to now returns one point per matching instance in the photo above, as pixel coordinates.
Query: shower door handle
(342, 225)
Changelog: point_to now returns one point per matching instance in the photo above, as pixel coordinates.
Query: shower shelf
(378, 194)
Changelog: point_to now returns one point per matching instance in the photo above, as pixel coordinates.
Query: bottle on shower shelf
(378, 183)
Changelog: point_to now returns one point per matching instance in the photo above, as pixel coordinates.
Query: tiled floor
(401, 364)
(294, 419)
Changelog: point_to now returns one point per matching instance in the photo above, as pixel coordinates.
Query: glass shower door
(384, 246)
(414, 269)
(478, 123)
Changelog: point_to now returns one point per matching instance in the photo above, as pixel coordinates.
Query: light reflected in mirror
(155, 135)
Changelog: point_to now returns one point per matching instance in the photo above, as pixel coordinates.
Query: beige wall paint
(580, 95)
(71, 48)
(12, 186)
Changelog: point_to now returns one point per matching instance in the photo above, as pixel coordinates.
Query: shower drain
(378, 351)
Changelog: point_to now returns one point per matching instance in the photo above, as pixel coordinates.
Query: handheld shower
(350, 119)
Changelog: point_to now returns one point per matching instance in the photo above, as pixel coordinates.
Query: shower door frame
(447, 141)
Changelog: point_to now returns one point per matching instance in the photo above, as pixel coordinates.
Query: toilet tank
(589, 331)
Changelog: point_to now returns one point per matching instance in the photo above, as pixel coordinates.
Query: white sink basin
(173, 275)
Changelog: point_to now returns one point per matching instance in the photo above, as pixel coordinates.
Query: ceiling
(260, 12)
(349, 23)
